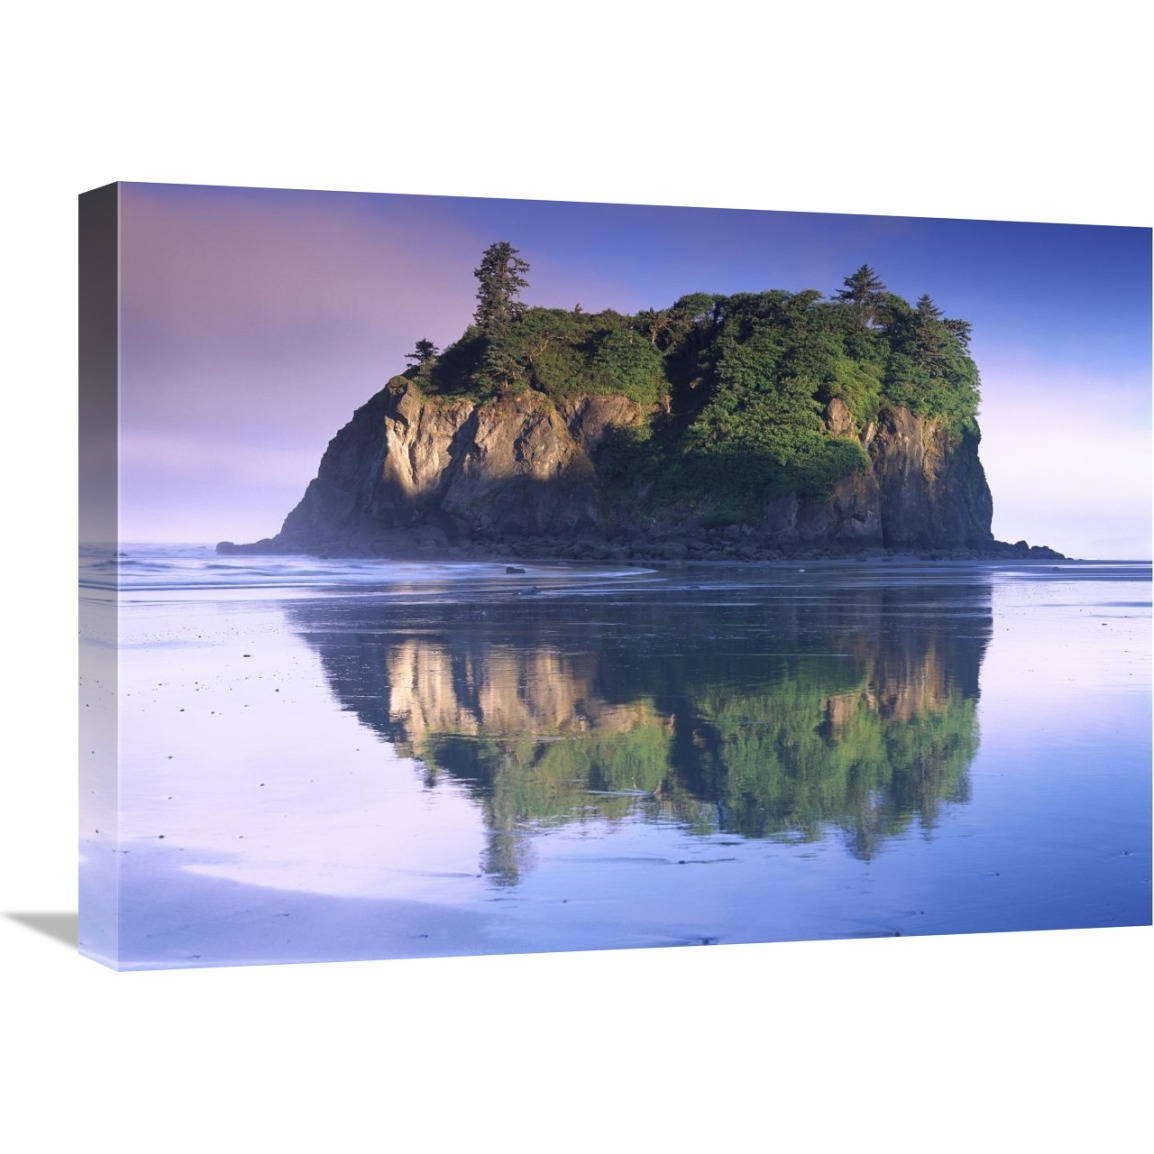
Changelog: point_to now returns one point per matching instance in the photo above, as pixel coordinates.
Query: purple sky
(254, 321)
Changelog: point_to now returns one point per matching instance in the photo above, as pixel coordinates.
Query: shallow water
(368, 760)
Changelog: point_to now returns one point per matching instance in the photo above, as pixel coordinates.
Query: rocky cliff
(524, 475)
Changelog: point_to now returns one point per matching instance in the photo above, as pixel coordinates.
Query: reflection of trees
(810, 751)
(784, 718)
(794, 761)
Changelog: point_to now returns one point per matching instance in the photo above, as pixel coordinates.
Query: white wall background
(1014, 1042)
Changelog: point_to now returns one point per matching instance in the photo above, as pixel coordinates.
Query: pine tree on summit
(501, 274)
(930, 335)
(424, 352)
(863, 289)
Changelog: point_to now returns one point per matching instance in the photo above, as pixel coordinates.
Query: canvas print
(465, 576)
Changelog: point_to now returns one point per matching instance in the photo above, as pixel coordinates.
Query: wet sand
(431, 771)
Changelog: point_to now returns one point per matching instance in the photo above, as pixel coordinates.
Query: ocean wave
(193, 570)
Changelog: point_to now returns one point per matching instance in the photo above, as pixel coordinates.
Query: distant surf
(191, 569)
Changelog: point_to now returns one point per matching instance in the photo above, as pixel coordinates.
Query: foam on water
(191, 570)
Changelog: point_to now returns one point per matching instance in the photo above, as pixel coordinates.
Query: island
(751, 427)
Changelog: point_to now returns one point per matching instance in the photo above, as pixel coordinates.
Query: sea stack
(753, 427)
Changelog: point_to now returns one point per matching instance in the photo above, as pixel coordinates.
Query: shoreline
(674, 552)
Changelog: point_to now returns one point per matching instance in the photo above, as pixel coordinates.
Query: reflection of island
(782, 716)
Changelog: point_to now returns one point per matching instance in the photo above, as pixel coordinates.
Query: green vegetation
(501, 282)
(424, 352)
(737, 389)
(556, 352)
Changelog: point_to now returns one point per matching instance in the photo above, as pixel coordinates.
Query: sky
(254, 321)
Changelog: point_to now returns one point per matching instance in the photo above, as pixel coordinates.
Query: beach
(337, 760)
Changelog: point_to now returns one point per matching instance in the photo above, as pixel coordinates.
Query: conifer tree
(424, 352)
(864, 290)
(962, 330)
(501, 274)
(930, 335)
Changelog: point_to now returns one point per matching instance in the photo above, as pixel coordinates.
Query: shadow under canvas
(64, 928)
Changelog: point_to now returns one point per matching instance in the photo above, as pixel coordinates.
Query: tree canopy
(736, 389)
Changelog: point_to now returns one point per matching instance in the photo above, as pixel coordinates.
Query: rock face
(411, 475)
(408, 471)
(931, 494)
